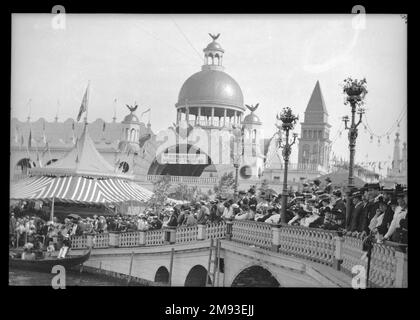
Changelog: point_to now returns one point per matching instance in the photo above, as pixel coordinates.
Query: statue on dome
(214, 37)
(252, 108)
(132, 109)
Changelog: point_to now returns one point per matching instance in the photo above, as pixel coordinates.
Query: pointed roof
(316, 105)
(83, 160)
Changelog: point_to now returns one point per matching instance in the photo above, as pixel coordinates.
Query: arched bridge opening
(197, 277)
(162, 275)
(255, 276)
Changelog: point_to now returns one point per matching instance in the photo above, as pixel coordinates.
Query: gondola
(46, 264)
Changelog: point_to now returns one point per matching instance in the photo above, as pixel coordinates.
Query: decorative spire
(114, 119)
(396, 155)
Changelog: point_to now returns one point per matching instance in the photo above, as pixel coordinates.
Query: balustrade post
(169, 235)
(201, 232)
(229, 225)
(114, 239)
(142, 237)
(275, 242)
(338, 259)
(89, 240)
(401, 269)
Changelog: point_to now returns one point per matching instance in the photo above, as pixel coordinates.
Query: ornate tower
(396, 156)
(253, 161)
(314, 141)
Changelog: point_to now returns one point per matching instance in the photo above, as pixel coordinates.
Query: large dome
(211, 87)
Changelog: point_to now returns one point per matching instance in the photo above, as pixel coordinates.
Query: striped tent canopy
(77, 189)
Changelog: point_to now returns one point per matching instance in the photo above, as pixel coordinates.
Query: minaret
(396, 156)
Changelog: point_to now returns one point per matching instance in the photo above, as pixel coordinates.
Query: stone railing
(101, 240)
(252, 233)
(154, 237)
(79, 242)
(216, 230)
(388, 266)
(186, 234)
(312, 244)
(130, 239)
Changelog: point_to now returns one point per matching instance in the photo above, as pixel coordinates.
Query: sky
(276, 60)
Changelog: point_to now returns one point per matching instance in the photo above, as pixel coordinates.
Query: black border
(148, 302)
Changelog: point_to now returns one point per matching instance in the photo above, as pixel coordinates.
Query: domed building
(211, 98)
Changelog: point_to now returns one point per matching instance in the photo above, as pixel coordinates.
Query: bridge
(242, 253)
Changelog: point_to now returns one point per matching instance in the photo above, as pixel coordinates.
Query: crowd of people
(374, 211)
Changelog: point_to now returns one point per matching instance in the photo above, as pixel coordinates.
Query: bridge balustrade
(79, 242)
(101, 240)
(216, 230)
(186, 234)
(252, 233)
(154, 237)
(309, 243)
(130, 239)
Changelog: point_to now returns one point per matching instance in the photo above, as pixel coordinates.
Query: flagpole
(87, 101)
(52, 210)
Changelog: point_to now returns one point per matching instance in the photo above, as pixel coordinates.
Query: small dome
(131, 118)
(215, 46)
(251, 118)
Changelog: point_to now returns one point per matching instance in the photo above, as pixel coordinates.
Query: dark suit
(356, 217)
(386, 221)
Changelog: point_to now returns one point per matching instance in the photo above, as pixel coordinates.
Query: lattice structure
(311, 244)
(79, 242)
(216, 230)
(154, 237)
(129, 239)
(101, 240)
(252, 233)
(186, 234)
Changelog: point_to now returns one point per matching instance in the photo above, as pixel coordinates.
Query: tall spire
(396, 156)
(316, 111)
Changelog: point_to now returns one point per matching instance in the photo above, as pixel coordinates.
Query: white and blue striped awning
(78, 189)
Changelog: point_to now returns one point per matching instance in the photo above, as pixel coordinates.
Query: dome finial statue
(214, 37)
(252, 108)
(132, 109)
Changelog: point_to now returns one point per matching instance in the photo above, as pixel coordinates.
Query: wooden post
(131, 266)
(209, 264)
(215, 265)
(171, 266)
(218, 261)
(52, 210)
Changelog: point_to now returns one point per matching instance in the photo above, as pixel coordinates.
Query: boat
(47, 263)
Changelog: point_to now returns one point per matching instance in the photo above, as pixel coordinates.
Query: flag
(103, 127)
(146, 111)
(83, 106)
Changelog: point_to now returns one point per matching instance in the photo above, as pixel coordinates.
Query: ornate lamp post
(288, 120)
(355, 92)
(237, 133)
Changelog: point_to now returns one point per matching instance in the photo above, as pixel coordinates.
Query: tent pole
(52, 210)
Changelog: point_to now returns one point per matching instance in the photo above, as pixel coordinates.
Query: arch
(50, 161)
(162, 275)
(255, 276)
(25, 164)
(197, 277)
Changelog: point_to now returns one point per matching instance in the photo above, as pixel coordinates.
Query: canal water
(19, 277)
